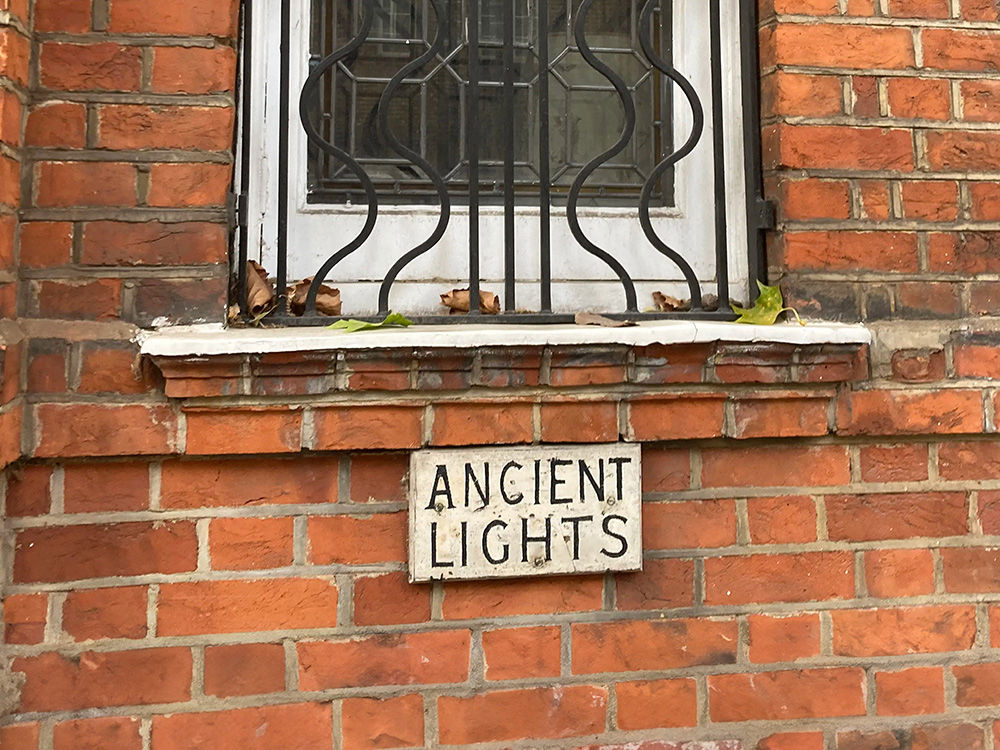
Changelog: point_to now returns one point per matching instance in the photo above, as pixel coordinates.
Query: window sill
(215, 340)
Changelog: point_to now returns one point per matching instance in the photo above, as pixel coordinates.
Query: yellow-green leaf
(766, 309)
(392, 320)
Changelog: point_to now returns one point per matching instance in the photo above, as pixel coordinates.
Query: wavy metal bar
(588, 170)
(307, 98)
(697, 128)
(414, 157)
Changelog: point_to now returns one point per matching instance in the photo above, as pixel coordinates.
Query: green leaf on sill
(766, 309)
(392, 320)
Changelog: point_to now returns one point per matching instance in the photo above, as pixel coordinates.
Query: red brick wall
(212, 554)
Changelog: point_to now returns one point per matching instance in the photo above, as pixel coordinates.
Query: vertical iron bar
(246, 117)
(544, 175)
(508, 155)
(472, 149)
(749, 77)
(718, 145)
(284, 101)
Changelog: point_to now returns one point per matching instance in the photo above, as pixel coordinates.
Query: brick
(89, 300)
(877, 740)
(72, 553)
(47, 367)
(673, 363)
(689, 524)
(346, 540)
(246, 606)
(662, 584)
(892, 252)
(910, 691)
(522, 653)
(951, 49)
(793, 741)
(250, 543)
(829, 45)
(93, 487)
(579, 422)
(967, 253)
(899, 462)
(978, 460)
(228, 431)
(919, 98)
(10, 173)
(110, 369)
(249, 482)
(86, 67)
(194, 70)
(919, 8)
(11, 111)
(379, 477)
(839, 147)
(390, 600)
(985, 200)
(977, 685)
(116, 243)
(980, 10)
(783, 638)
(244, 669)
(305, 725)
(24, 618)
(505, 598)
(91, 614)
(795, 94)
(541, 713)
(28, 491)
(665, 469)
(56, 124)
(382, 723)
(368, 427)
(678, 418)
(45, 244)
(980, 101)
(67, 430)
(656, 703)
(624, 646)
(590, 366)
(896, 516)
(180, 301)
(976, 152)
(482, 423)
(782, 520)
(20, 736)
(802, 694)
(972, 570)
(918, 365)
(913, 630)
(803, 577)
(779, 417)
(63, 15)
(864, 96)
(874, 199)
(189, 185)
(138, 126)
(97, 679)
(930, 200)
(775, 466)
(15, 54)
(65, 184)
(899, 412)
(198, 18)
(816, 199)
(108, 733)
(941, 736)
(388, 659)
(974, 360)
(892, 573)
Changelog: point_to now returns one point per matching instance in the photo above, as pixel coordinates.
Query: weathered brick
(139, 126)
(90, 614)
(250, 543)
(662, 584)
(913, 630)
(92, 487)
(198, 18)
(900, 412)
(246, 606)
(807, 693)
(87, 67)
(579, 422)
(504, 598)
(803, 577)
(971, 570)
(194, 70)
(783, 638)
(775, 466)
(108, 733)
(368, 427)
(522, 653)
(896, 516)
(24, 618)
(104, 430)
(910, 691)
(390, 599)
(654, 704)
(689, 524)
(348, 540)
(624, 646)
(485, 423)
(892, 573)
(116, 243)
(244, 669)
(781, 520)
(368, 723)
(231, 431)
(294, 725)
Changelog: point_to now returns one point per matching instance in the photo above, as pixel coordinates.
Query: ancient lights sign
(524, 511)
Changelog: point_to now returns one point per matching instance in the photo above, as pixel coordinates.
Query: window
(566, 154)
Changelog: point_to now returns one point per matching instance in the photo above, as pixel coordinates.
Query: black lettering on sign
(526, 539)
(482, 490)
(554, 481)
(576, 520)
(509, 499)
(486, 543)
(622, 540)
(440, 476)
(585, 474)
(434, 549)
(618, 473)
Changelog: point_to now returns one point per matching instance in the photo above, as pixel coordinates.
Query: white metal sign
(525, 511)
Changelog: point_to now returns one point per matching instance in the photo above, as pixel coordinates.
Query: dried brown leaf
(260, 292)
(665, 303)
(327, 300)
(593, 319)
(457, 301)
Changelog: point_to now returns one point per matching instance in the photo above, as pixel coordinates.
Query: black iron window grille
(550, 107)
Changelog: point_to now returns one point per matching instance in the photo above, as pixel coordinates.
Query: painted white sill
(209, 340)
